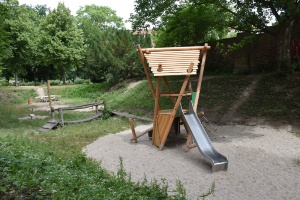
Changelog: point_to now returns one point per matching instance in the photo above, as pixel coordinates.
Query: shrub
(87, 81)
(54, 82)
(79, 81)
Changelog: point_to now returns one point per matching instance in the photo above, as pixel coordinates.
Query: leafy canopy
(62, 43)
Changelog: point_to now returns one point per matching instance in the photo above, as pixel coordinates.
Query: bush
(87, 81)
(79, 81)
(54, 82)
(4, 83)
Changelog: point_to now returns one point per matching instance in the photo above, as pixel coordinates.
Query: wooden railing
(63, 122)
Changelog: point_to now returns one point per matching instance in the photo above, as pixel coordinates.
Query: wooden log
(79, 107)
(149, 130)
(87, 119)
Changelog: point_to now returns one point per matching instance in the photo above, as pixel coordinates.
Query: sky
(123, 8)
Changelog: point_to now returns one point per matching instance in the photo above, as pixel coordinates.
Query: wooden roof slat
(172, 70)
(173, 62)
(173, 74)
(173, 49)
(196, 52)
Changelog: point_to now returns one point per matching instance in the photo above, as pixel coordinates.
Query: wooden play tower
(172, 61)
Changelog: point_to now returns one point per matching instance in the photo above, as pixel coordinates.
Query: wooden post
(61, 118)
(155, 136)
(133, 130)
(104, 103)
(203, 52)
(146, 70)
(52, 112)
(49, 97)
(96, 102)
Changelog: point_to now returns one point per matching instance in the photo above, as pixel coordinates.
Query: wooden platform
(51, 124)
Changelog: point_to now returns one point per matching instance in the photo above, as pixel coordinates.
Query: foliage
(182, 23)
(20, 34)
(55, 82)
(61, 41)
(6, 51)
(250, 16)
(78, 81)
(111, 55)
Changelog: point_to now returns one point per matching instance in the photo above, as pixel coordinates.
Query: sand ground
(264, 162)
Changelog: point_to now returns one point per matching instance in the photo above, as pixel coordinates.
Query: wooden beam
(200, 76)
(155, 136)
(146, 70)
(169, 124)
(169, 89)
(133, 130)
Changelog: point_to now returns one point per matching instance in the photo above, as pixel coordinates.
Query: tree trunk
(16, 79)
(284, 48)
(64, 78)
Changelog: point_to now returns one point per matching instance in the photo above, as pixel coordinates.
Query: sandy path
(263, 162)
(40, 91)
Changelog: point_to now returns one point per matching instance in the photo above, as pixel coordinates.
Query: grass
(52, 166)
(275, 98)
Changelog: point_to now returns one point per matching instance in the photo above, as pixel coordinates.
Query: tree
(111, 54)
(19, 35)
(61, 42)
(5, 50)
(251, 16)
(191, 25)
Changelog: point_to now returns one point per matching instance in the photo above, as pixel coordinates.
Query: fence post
(61, 119)
(96, 102)
(52, 112)
(104, 103)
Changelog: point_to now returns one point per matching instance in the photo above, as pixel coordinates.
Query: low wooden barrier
(63, 122)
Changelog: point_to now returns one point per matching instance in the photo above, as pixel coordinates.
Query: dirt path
(231, 113)
(40, 91)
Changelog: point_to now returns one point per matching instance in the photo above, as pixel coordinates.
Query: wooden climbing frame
(171, 61)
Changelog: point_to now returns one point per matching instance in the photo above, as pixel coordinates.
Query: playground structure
(52, 123)
(179, 61)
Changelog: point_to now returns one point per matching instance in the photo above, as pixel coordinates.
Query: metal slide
(218, 161)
